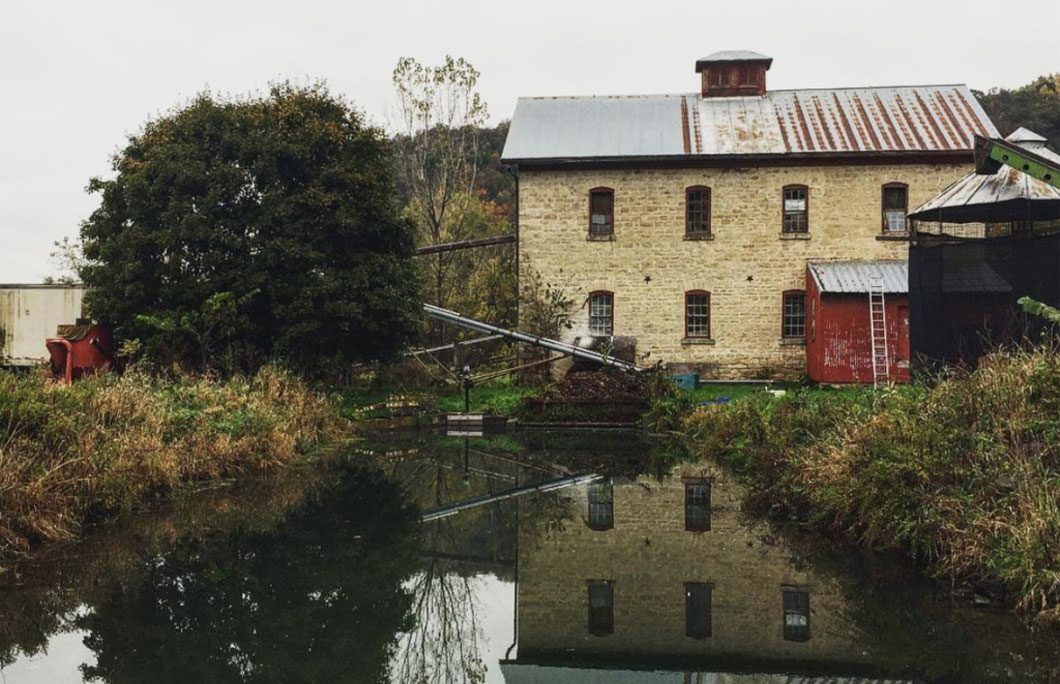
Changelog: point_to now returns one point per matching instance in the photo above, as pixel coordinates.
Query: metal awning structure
(1017, 179)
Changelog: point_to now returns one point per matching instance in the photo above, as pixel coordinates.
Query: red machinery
(80, 349)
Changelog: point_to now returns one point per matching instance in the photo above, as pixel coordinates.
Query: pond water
(577, 558)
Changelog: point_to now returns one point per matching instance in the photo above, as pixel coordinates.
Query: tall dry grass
(71, 454)
(964, 474)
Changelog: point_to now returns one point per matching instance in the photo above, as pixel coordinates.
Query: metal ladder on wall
(881, 362)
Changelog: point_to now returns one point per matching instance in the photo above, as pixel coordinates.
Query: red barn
(838, 331)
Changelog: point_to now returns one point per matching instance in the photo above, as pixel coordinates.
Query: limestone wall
(746, 266)
(649, 555)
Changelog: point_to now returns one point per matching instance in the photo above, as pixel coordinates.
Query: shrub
(104, 445)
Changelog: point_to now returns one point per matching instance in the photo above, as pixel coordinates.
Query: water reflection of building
(669, 576)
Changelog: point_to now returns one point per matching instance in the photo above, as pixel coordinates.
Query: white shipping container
(30, 314)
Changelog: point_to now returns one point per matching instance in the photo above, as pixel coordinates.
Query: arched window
(795, 214)
(697, 211)
(697, 314)
(601, 313)
(601, 212)
(894, 206)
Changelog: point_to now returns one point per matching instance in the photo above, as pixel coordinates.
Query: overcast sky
(77, 77)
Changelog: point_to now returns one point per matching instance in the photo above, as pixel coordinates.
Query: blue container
(686, 381)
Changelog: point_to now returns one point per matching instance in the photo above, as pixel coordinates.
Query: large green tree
(1035, 106)
(240, 230)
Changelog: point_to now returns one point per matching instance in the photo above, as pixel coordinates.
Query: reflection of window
(601, 313)
(601, 506)
(697, 610)
(601, 211)
(697, 211)
(697, 505)
(793, 323)
(601, 607)
(697, 314)
(796, 209)
(895, 202)
(796, 614)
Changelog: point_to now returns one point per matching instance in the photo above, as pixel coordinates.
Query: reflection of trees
(319, 599)
(443, 645)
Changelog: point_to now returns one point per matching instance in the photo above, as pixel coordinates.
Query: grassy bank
(964, 475)
(73, 454)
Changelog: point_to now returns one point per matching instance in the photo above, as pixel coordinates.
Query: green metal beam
(991, 154)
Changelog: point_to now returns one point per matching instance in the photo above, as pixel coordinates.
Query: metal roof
(897, 120)
(1003, 196)
(1024, 135)
(733, 56)
(855, 277)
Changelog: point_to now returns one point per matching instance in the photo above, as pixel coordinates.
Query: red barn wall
(839, 343)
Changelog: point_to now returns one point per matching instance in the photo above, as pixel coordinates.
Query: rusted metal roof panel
(856, 277)
(919, 119)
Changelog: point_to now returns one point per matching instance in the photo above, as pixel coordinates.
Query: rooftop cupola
(1027, 139)
(733, 73)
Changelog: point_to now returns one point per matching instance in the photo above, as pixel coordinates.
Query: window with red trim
(601, 313)
(697, 211)
(601, 212)
(697, 313)
(895, 204)
(793, 324)
(796, 209)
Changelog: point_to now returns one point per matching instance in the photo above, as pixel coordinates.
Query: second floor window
(697, 610)
(697, 314)
(601, 607)
(796, 216)
(601, 506)
(601, 212)
(793, 324)
(895, 205)
(697, 505)
(697, 211)
(601, 313)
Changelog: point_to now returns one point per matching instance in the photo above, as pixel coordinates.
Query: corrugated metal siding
(847, 120)
(856, 276)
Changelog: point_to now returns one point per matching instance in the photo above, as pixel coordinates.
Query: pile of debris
(606, 383)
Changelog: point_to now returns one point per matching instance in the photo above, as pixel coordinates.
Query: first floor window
(601, 313)
(697, 314)
(697, 505)
(895, 204)
(601, 505)
(601, 212)
(601, 607)
(796, 214)
(697, 610)
(794, 321)
(796, 614)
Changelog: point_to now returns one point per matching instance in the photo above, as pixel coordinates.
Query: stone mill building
(686, 222)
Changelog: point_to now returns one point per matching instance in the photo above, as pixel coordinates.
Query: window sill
(794, 236)
(898, 237)
(699, 238)
(600, 238)
(696, 340)
(792, 341)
